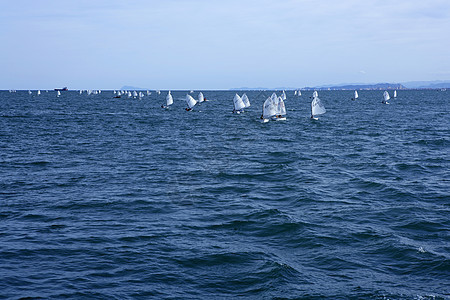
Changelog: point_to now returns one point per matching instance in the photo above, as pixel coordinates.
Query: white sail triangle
(245, 100)
(238, 103)
(317, 107)
(191, 102)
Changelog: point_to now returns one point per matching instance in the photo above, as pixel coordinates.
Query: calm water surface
(104, 198)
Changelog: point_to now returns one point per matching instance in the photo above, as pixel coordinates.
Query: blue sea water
(104, 198)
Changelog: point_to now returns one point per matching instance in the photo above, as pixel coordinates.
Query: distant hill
(377, 86)
(437, 84)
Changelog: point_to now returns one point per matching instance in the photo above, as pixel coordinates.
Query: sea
(106, 198)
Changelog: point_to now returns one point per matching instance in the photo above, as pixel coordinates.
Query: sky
(221, 44)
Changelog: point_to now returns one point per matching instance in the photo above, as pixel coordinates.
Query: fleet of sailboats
(274, 107)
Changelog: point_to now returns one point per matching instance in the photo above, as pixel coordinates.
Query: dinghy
(38, 92)
(386, 97)
(283, 96)
(201, 98)
(317, 108)
(238, 104)
(356, 95)
(269, 110)
(58, 93)
(395, 94)
(190, 102)
(280, 111)
(169, 101)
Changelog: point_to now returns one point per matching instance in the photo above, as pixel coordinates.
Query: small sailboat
(190, 102)
(269, 110)
(135, 94)
(386, 97)
(201, 98)
(38, 92)
(283, 95)
(238, 104)
(395, 94)
(280, 110)
(58, 93)
(299, 93)
(356, 95)
(169, 100)
(29, 92)
(317, 108)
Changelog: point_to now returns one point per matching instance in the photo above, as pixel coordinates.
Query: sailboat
(317, 108)
(169, 100)
(386, 97)
(280, 110)
(356, 95)
(238, 104)
(245, 100)
(395, 94)
(190, 102)
(38, 92)
(58, 93)
(201, 98)
(299, 93)
(269, 110)
(29, 92)
(283, 95)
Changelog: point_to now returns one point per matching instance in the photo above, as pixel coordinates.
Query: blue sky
(212, 44)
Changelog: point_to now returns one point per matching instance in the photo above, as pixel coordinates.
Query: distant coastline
(438, 84)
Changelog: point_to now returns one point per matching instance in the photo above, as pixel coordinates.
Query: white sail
(169, 99)
(299, 93)
(190, 101)
(245, 100)
(295, 93)
(395, 94)
(317, 107)
(283, 96)
(135, 94)
(201, 98)
(141, 95)
(356, 94)
(386, 96)
(238, 103)
(81, 92)
(315, 94)
(269, 109)
(58, 94)
(281, 107)
(29, 92)
(38, 92)
(129, 94)
(274, 98)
